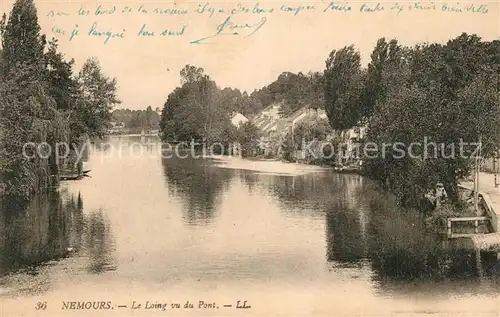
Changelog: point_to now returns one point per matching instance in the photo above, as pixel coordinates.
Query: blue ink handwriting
(101, 11)
(483, 8)
(398, 8)
(83, 11)
(53, 13)
(419, 6)
(231, 24)
(57, 30)
(142, 9)
(258, 10)
(297, 10)
(205, 8)
(233, 29)
(74, 33)
(170, 11)
(144, 32)
(334, 6)
(180, 32)
(450, 8)
(371, 7)
(165, 32)
(107, 34)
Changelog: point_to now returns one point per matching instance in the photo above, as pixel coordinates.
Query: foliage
(137, 119)
(39, 102)
(247, 136)
(97, 96)
(22, 43)
(455, 81)
(286, 148)
(311, 129)
(343, 88)
(198, 110)
(294, 91)
(384, 72)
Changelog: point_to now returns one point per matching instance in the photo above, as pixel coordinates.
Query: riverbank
(266, 165)
(490, 194)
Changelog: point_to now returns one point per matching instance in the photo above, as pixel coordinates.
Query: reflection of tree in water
(345, 218)
(51, 227)
(250, 179)
(98, 243)
(35, 234)
(344, 238)
(198, 184)
(302, 192)
(77, 222)
(365, 225)
(403, 251)
(336, 196)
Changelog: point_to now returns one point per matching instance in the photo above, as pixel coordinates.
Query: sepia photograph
(249, 158)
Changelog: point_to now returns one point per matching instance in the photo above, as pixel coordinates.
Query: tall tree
(343, 88)
(28, 113)
(198, 109)
(62, 86)
(388, 60)
(455, 81)
(22, 42)
(98, 96)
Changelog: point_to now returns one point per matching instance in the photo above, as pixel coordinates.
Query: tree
(310, 129)
(343, 88)
(97, 96)
(191, 74)
(247, 135)
(28, 112)
(387, 61)
(196, 110)
(59, 72)
(22, 43)
(293, 91)
(455, 81)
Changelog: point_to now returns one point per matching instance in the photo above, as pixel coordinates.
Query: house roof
(268, 126)
(271, 106)
(238, 118)
(259, 123)
(268, 108)
(297, 114)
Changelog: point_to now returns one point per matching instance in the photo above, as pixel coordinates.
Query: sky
(268, 43)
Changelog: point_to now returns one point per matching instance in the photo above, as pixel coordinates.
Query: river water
(170, 230)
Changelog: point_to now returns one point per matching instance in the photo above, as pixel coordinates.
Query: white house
(272, 111)
(238, 119)
(268, 117)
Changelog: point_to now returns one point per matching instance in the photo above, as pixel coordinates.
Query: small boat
(70, 177)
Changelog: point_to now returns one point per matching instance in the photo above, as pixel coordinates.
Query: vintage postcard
(249, 158)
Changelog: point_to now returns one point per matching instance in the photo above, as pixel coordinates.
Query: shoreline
(269, 166)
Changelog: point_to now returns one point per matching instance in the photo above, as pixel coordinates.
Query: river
(170, 230)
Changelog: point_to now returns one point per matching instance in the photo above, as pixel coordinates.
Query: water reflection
(99, 243)
(35, 235)
(52, 228)
(344, 240)
(367, 224)
(325, 230)
(199, 185)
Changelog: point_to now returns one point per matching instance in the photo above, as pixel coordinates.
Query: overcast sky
(147, 67)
